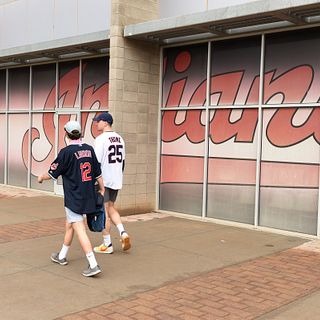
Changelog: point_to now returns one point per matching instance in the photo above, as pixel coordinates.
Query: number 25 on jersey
(115, 153)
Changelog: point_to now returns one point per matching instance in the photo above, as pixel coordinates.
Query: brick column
(133, 102)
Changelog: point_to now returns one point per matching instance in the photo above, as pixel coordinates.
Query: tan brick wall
(133, 102)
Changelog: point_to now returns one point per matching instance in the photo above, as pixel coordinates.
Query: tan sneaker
(125, 241)
(104, 249)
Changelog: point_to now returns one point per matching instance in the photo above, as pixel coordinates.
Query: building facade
(219, 106)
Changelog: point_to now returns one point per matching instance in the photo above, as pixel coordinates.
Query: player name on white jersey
(115, 139)
(83, 154)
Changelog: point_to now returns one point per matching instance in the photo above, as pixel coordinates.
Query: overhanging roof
(247, 18)
(78, 46)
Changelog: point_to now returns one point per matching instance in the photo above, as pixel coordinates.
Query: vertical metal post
(158, 172)
(56, 111)
(30, 126)
(7, 130)
(206, 138)
(259, 137)
(80, 94)
(318, 217)
(55, 121)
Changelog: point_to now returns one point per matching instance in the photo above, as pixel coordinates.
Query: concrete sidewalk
(176, 269)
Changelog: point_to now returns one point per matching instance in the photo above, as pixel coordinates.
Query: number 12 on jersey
(85, 171)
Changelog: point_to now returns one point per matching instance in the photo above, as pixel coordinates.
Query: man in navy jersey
(79, 168)
(110, 150)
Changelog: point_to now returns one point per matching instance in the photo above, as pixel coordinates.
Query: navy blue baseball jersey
(79, 168)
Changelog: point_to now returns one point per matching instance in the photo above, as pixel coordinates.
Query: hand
(101, 192)
(40, 179)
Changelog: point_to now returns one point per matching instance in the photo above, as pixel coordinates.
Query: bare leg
(60, 257)
(68, 236)
(80, 230)
(113, 213)
(116, 220)
(106, 230)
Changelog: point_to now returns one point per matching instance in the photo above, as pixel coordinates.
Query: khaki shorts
(73, 217)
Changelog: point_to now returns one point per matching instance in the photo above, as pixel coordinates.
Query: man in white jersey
(110, 151)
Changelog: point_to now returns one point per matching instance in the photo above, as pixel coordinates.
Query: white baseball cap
(72, 126)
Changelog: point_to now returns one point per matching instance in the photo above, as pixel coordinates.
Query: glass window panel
(290, 169)
(44, 87)
(182, 160)
(3, 137)
(19, 88)
(2, 90)
(232, 164)
(292, 67)
(95, 83)
(62, 120)
(89, 128)
(235, 71)
(18, 149)
(42, 148)
(69, 84)
(184, 76)
(292, 209)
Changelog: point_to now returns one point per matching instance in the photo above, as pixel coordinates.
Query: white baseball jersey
(110, 151)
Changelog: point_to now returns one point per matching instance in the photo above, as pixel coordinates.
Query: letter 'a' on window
(235, 72)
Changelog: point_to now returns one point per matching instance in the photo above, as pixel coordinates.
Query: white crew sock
(107, 240)
(92, 259)
(120, 228)
(63, 252)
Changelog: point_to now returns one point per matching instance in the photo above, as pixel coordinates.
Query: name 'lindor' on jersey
(83, 154)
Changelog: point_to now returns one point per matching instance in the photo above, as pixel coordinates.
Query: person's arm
(44, 176)
(123, 154)
(101, 186)
(99, 149)
(56, 168)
